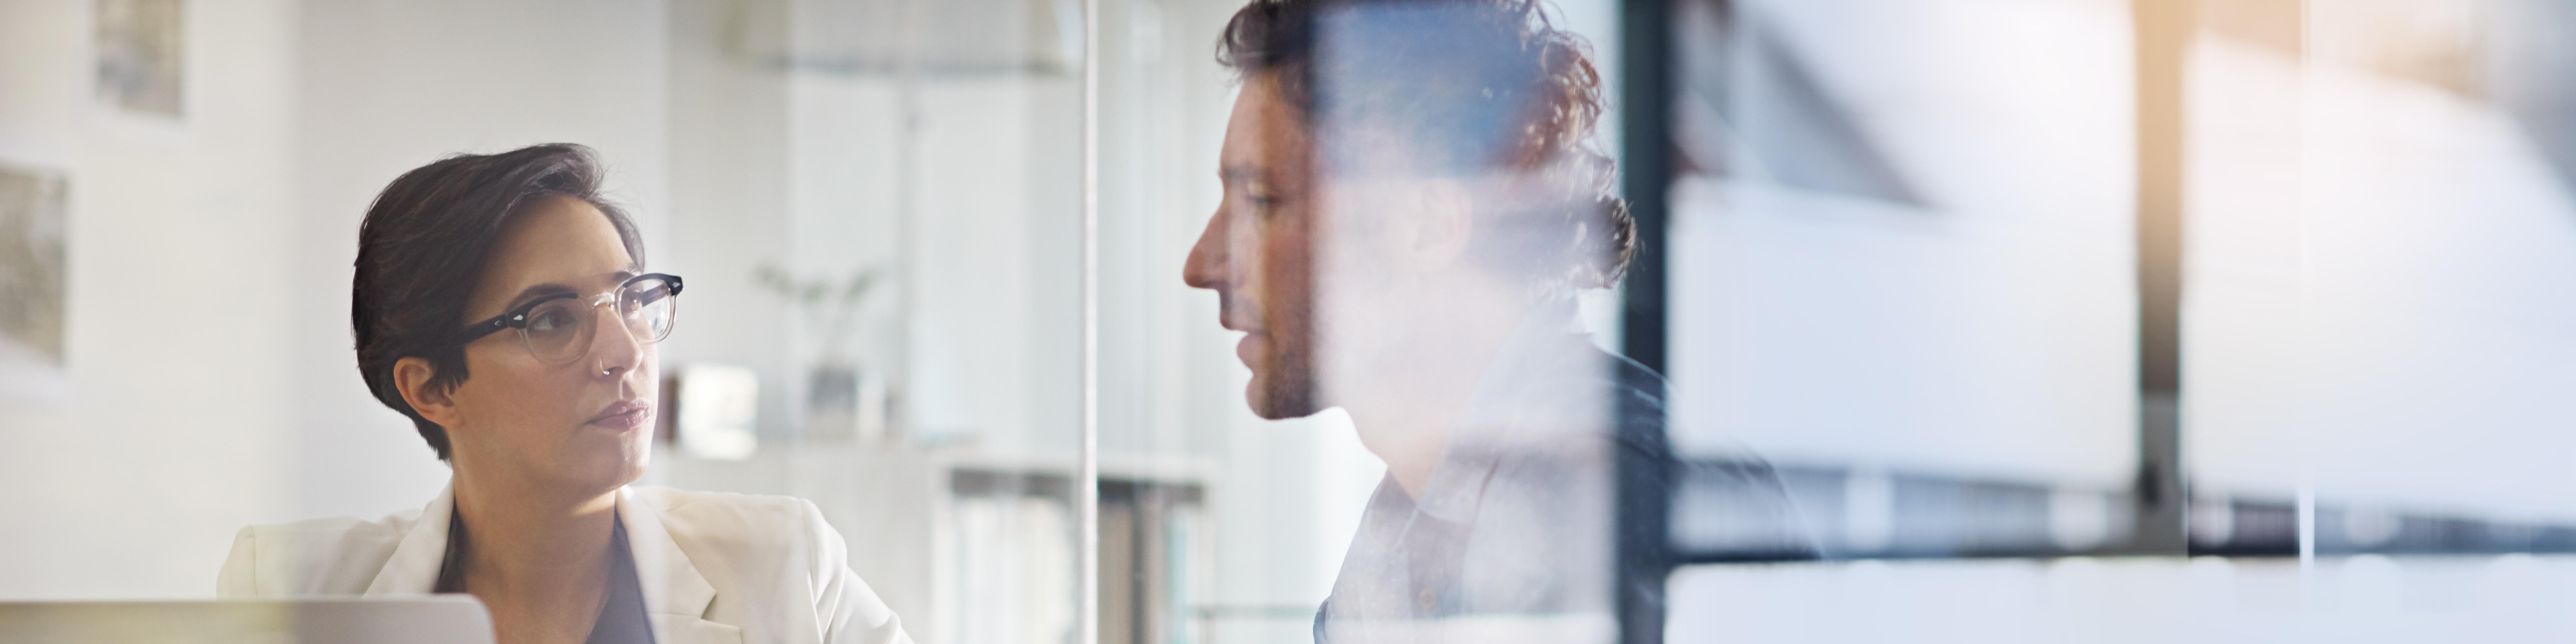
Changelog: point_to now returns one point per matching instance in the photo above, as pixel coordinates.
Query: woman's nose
(614, 349)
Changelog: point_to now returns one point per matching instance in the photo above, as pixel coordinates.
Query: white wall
(389, 86)
(179, 422)
(211, 379)
(728, 136)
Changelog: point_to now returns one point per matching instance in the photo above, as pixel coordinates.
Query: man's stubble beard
(1287, 384)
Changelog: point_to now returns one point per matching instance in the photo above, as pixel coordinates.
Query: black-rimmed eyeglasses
(557, 328)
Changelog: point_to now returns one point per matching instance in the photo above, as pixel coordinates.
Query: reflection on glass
(1923, 256)
(1411, 203)
(1903, 269)
(2386, 227)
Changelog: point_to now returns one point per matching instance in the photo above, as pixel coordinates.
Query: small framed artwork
(31, 279)
(141, 55)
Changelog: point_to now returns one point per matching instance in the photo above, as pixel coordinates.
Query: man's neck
(1410, 409)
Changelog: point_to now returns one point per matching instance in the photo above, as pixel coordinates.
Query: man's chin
(1272, 403)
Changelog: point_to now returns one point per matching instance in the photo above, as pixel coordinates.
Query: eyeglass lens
(561, 330)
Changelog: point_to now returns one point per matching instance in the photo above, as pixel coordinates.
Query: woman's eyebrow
(535, 291)
(541, 290)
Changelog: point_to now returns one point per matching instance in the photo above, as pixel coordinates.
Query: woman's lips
(624, 415)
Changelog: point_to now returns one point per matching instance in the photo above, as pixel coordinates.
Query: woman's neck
(523, 542)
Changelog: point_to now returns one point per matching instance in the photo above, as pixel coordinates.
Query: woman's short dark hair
(423, 248)
(1471, 86)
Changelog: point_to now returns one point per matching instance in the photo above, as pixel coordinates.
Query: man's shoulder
(1637, 394)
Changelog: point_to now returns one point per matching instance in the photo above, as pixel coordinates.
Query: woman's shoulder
(334, 556)
(759, 544)
(776, 556)
(762, 510)
(728, 519)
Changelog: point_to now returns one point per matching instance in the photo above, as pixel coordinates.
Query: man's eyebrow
(1238, 173)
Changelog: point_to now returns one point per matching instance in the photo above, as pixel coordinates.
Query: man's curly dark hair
(1470, 87)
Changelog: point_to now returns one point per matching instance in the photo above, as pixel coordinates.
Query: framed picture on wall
(141, 55)
(32, 230)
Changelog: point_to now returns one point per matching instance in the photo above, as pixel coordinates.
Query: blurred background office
(877, 204)
(2061, 320)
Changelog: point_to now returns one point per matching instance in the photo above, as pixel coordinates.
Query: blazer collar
(672, 585)
(675, 595)
(413, 569)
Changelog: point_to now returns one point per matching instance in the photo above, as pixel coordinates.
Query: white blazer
(714, 567)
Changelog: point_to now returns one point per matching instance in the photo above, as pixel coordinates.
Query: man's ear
(1443, 222)
(411, 377)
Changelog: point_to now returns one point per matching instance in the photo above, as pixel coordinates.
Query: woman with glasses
(503, 306)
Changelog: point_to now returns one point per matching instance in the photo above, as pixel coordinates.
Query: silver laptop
(445, 619)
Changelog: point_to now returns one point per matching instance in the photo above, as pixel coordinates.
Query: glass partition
(1223, 321)
(1902, 270)
(2385, 201)
(886, 196)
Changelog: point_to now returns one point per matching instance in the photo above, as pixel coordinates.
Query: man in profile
(1411, 203)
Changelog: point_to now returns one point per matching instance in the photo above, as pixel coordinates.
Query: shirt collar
(1535, 390)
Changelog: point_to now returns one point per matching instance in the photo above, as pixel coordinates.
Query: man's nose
(1206, 266)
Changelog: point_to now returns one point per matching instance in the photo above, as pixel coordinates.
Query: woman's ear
(411, 377)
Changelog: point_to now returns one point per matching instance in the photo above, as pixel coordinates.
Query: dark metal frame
(2164, 32)
(1645, 553)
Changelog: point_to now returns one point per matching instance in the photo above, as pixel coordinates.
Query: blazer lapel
(413, 568)
(676, 597)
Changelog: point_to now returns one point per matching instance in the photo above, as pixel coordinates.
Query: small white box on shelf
(710, 410)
